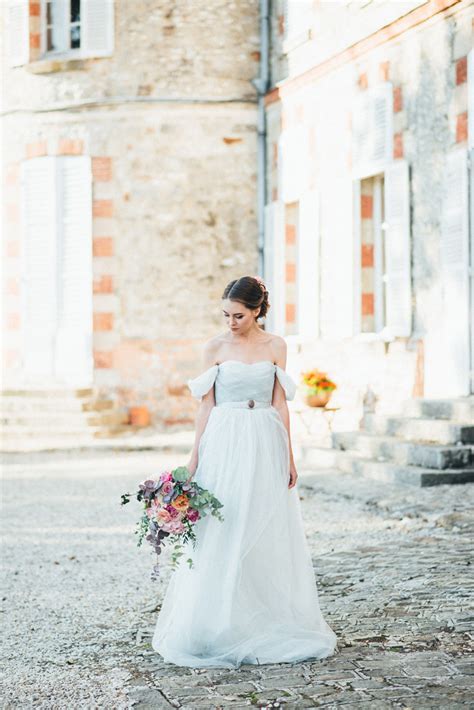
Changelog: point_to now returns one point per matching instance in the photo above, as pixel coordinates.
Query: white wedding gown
(251, 596)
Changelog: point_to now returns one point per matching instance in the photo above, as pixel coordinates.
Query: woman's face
(238, 317)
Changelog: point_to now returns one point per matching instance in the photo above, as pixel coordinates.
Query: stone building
(129, 178)
(369, 214)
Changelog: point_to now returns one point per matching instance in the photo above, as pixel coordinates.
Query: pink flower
(193, 515)
(163, 516)
(172, 511)
(167, 488)
(166, 476)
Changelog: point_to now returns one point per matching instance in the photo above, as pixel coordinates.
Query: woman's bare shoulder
(211, 348)
(278, 347)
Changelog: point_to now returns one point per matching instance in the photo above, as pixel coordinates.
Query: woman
(251, 595)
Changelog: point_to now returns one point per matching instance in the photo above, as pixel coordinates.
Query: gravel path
(78, 607)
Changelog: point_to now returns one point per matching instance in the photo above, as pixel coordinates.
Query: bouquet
(172, 505)
(317, 381)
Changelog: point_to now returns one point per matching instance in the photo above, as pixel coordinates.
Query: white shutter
(274, 265)
(73, 361)
(357, 282)
(294, 163)
(471, 262)
(372, 130)
(39, 260)
(470, 99)
(18, 32)
(455, 273)
(97, 20)
(308, 265)
(398, 249)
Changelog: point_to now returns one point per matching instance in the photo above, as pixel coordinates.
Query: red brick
(368, 304)
(363, 81)
(397, 99)
(103, 285)
(102, 169)
(384, 71)
(367, 255)
(103, 359)
(461, 127)
(34, 9)
(398, 145)
(103, 208)
(70, 147)
(103, 321)
(35, 42)
(290, 313)
(281, 24)
(12, 286)
(275, 194)
(12, 174)
(13, 321)
(290, 234)
(34, 150)
(103, 246)
(290, 272)
(11, 358)
(366, 206)
(461, 71)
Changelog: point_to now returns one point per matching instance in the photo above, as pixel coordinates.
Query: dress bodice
(236, 381)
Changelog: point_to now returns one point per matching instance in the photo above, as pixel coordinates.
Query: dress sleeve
(288, 384)
(201, 384)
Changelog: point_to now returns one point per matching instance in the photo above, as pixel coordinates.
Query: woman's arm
(205, 406)
(279, 402)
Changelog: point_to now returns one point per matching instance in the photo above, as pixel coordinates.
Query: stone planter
(318, 400)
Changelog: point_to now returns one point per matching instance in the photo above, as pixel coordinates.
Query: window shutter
(18, 32)
(372, 130)
(97, 27)
(39, 259)
(357, 285)
(308, 265)
(274, 265)
(398, 249)
(74, 338)
(455, 272)
(294, 163)
(470, 99)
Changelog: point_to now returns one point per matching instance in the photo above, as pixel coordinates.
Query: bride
(251, 595)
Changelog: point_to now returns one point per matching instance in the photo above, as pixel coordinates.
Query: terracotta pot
(320, 399)
(139, 416)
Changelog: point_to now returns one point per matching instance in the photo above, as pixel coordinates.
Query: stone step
(49, 421)
(18, 433)
(354, 463)
(380, 447)
(460, 409)
(132, 439)
(419, 429)
(55, 404)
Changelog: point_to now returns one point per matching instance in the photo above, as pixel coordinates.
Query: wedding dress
(251, 596)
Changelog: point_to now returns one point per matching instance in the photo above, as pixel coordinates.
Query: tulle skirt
(251, 596)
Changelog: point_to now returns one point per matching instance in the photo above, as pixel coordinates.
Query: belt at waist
(245, 403)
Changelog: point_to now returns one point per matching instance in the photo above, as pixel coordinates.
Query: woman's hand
(293, 476)
(191, 466)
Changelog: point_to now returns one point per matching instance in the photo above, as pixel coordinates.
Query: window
(372, 130)
(382, 257)
(77, 28)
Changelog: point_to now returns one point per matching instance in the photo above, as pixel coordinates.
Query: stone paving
(393, 567)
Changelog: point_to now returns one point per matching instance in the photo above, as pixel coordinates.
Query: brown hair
(250, 291)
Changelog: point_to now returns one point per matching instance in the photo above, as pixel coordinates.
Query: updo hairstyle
(251, 292)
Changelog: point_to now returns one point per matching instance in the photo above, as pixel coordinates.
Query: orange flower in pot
(319, 388)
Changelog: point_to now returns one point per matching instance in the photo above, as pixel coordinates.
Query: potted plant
(319, 388)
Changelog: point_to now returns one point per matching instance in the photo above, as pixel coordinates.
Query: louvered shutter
(97, 18)
(398, 249)
(294, 163)
(308, 265)
(39, 265)
(274, 265)
(73, 355)
(18, 32)
(372, 130)
(356, 230)
(455, 273)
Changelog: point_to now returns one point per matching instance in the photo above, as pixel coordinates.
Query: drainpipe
(261, 85)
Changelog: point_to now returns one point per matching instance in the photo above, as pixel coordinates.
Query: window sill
(61, 62)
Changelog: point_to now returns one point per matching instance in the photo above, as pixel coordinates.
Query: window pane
(75, 10)
(49, 39)
(75, 36)
(49, 14)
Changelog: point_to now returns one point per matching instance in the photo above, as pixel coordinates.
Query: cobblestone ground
(78, 607)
